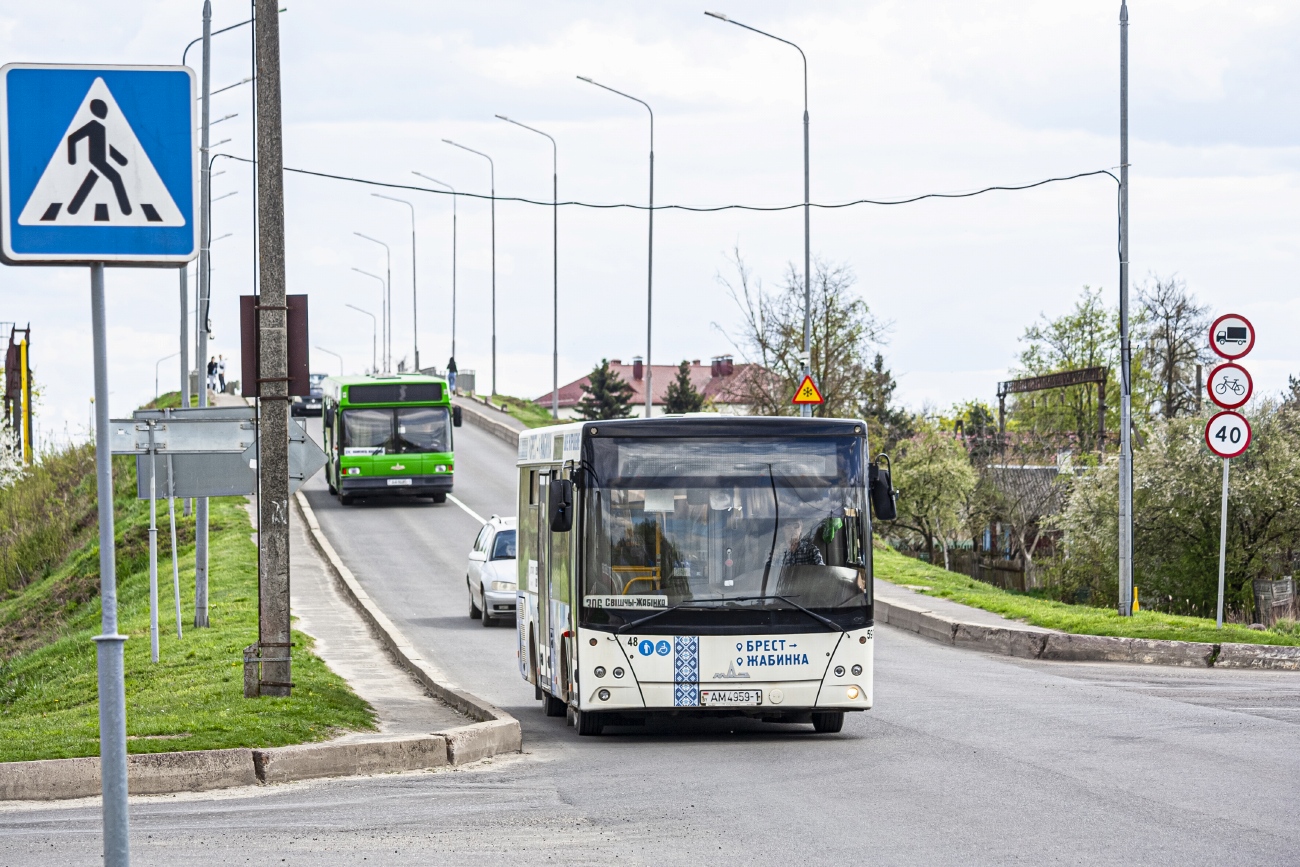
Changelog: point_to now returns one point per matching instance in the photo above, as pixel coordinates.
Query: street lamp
(155, 371)
(415, 319)
(492, 169)
(805, 409)
(453, 254)
(373, 364)
(373, 329)
(555, 268)
(650, 258)
(388, 302)
(339, 357)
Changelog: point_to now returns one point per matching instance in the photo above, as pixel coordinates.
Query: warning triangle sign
(807, 392)
(99, 175)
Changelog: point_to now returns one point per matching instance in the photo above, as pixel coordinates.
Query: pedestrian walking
(221, 372)
(212, 374)
(451, 374)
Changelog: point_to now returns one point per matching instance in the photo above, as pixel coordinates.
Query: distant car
(491, 577)
(310, 404)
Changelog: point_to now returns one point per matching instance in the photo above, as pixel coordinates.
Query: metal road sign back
(98, 164)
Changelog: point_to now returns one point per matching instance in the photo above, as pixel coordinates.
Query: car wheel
(554, 706)
(487, 618)
(828, 722)
(474, 612)
(589, 723)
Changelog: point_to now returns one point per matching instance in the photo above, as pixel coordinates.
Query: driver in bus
(800, 550)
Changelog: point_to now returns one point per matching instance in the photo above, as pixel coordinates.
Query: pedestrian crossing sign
(98, 164)
(807, 392)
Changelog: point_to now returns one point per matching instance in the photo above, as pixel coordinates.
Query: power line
(694, 208)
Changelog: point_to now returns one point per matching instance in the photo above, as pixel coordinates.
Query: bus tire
(333, 490)
(828, 722)
(346, 499)
(439, 497)
(474, 612)
(554, 706)
(589, 723)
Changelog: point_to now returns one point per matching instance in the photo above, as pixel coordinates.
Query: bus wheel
(828, 722)
(346, 499)
(333, 490)
(554, 706)
(589, 723)
(439, 497)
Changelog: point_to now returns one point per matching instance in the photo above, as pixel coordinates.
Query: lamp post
(555, 267)
(492, 169)
(805, 409)
(650, 257)
(453, 254)
(155, 371)
(1125, 357)
(415, 319)
(336, 355)
(373, 363)
(373, 329)
(388, 301)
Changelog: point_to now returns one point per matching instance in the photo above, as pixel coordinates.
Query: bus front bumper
(397, 486)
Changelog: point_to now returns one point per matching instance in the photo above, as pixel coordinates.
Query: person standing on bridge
(451, 374)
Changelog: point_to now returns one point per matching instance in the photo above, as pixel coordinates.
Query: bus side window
(532, 487)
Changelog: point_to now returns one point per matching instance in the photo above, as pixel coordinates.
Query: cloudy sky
(905, 98)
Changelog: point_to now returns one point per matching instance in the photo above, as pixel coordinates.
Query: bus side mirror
(456, 416)
(884, 499)
(561, 505)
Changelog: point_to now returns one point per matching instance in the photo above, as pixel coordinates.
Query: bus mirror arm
(456, 417)
(884, 498)
(561, 505)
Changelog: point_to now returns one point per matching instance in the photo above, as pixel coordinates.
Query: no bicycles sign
(1230, 385)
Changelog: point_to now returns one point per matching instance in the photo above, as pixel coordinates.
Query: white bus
(699, 564)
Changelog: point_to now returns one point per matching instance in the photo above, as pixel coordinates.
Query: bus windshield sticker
(625, 601)
(360, 451)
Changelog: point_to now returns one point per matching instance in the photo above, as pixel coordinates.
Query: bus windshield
(396, 430)
(728, 527)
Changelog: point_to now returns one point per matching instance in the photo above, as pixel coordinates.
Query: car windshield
(724, 524)
(504, 546)
(401, 430)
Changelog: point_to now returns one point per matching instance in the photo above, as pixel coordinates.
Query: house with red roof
(721, 381)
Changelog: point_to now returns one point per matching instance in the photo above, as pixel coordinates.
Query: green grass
(193, 697)
(930, 580)
(531, 414)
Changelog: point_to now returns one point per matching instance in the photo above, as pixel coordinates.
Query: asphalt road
(967, 758)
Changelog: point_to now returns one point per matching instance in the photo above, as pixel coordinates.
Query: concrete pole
(201, 363)
(109, 646)
(185, 337)
(273, 365)
(1126, 382)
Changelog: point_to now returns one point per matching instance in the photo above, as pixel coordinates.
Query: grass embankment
(193, 697)
(930, 580)
(526, 411)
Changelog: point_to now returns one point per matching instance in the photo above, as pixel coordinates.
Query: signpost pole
(273, 366)
(1125, 357)
(153, 546)
(200, 363)
(176, 570)
(108, 645)
(1223, 542)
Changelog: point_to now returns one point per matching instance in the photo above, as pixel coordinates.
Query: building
(721, 382)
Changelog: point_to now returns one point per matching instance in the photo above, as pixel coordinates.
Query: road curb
(495, 732)
(146, 774)
(479, 418)
(312, 761)
(1069, 647)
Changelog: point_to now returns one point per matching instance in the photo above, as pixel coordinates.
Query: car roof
(501, 523)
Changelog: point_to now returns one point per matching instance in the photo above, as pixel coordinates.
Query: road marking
(473, 514)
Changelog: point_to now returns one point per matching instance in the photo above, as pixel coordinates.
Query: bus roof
(385, 378)
(335, 386)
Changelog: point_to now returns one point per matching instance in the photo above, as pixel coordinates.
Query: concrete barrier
(146, 774)
(1267, 656)
(312, 761)
(481, 416)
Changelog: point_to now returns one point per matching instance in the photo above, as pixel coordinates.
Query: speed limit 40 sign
(1227, 434)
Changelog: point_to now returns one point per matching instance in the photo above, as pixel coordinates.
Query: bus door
(545, 639)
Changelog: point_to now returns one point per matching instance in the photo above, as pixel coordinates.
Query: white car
(491, 576)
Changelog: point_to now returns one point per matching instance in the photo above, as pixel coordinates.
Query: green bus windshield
(396, 430)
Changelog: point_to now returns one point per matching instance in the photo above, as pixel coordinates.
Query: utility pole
(185, 337)
(205, 242)
(492, 189)
(1125, 353)
(273, 631)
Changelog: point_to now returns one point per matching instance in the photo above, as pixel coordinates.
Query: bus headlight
(603, 695)
(857, 670)
(853, 692)
(503, 585)
(839, 671)
(440, 468)
(618, 672)
(600, 671)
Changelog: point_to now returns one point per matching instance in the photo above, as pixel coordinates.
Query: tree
(605, 395)
(935, 478)
(887, 424)
(682, 396)
(1175, 343)
(843, 331)
(1087, 336)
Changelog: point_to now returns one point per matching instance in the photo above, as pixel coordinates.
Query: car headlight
(503, 585)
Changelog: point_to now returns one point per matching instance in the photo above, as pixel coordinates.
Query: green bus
(389, 435)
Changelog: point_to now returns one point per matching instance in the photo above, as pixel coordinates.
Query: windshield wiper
(689, 603)
(826, 621)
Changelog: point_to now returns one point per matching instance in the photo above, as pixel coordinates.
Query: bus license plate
(730, 697)
(399, 481)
